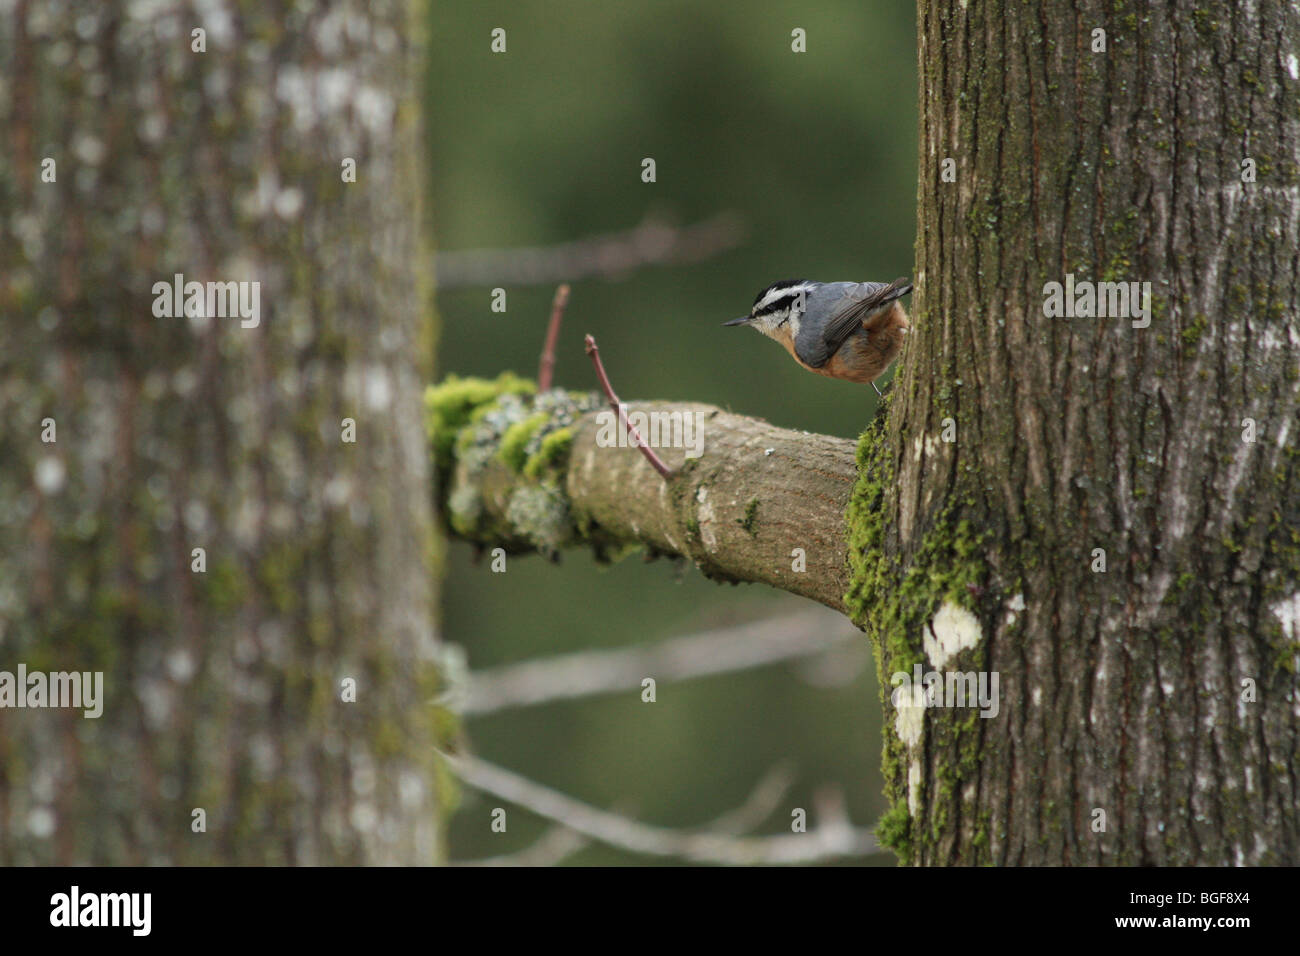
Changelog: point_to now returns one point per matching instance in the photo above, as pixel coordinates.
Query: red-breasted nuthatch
(848, 330)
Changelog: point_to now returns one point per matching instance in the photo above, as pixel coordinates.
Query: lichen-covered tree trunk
(136, 149)
(1104, 513)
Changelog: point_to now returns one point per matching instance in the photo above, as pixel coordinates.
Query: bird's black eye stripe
(782, 304)
(780, 284)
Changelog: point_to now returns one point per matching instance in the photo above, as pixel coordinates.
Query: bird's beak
(740, 321)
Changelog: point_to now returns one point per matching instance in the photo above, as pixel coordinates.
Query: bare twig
(550, 849)
(560, 842)
(759, 805)
(547, 364)
(655, 461)
(802, 634)
(612, 255)
(834, 838)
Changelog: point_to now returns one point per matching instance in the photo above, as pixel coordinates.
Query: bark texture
(1150, 712)
(223, 686)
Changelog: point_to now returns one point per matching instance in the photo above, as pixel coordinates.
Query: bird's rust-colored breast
(866, 354)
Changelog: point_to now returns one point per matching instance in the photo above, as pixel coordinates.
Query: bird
(846, 330)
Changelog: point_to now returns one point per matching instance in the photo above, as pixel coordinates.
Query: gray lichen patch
(540, 513)
(481, 425)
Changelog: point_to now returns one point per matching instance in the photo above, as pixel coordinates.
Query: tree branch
(607, 256)
(560, 842)
(541, 473)
(833, 837)
(588, 673)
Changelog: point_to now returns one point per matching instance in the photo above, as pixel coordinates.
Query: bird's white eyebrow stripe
(774, 294)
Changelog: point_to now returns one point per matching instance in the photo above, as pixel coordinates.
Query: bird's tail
(895, 290)
(873, 307)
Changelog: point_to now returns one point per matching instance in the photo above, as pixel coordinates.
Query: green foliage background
(543, 144)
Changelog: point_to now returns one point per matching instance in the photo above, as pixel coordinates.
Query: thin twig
(831, 839)
(590, 673)
(609, 256)
(655, 462)
(547, 365)
(550, 849)
(559, 842)
(759, 805)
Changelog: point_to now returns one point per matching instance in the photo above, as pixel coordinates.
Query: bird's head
(777, 309)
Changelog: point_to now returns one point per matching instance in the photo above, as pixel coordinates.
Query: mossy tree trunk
(224, 687)
(1149, 712)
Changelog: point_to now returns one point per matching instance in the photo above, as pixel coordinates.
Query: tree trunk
(224, 673)
(1149, 712)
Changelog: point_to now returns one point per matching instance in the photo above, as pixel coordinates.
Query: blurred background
(799, 165)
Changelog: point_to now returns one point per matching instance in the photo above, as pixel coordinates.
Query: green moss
(514, 442)
(891, 602)
(750, 521)
(446, 788)
(894, 830)
(1193, 333)
(553, 455)
(894, 603)
(475, 426)
(693, 528)
(278, 573)
(449, 406)
(222, 585)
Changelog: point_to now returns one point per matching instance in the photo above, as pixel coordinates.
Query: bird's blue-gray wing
(854, 304)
